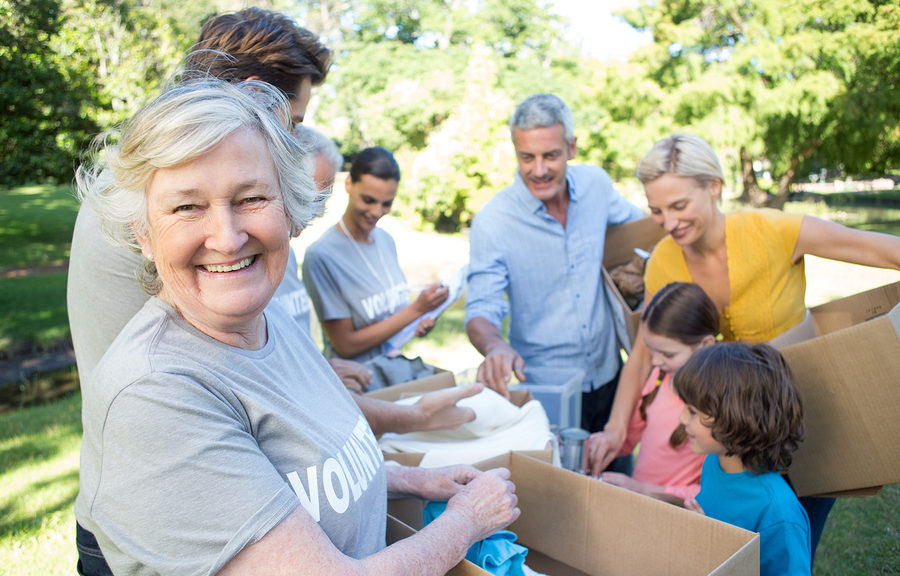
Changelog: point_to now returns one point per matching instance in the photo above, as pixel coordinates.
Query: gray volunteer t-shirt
(194, 449)
(362, 282)
(102, 293)
(291, 294)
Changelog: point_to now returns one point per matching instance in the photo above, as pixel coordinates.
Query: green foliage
(799, 79)
(470, 157)
(392, 95)
(42, 124)
(129, 49)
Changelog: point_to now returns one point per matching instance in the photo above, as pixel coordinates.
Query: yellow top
(767, 290)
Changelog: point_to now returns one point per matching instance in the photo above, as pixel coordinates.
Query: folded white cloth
(499, 427)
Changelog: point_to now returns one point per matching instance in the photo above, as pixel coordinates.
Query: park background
(800, 99)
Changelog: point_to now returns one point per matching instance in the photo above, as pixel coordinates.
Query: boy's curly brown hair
(747, 393)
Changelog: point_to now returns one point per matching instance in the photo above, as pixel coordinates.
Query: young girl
(679, 320)
(741, 408)
(352, 272)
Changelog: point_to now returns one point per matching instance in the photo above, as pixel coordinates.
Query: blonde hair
(683, 155)
(182, 124)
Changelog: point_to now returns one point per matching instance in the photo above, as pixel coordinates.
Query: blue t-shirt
(762, 503)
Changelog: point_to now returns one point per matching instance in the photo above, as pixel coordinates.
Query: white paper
(457, 286)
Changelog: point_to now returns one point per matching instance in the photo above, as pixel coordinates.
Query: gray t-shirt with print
(194, 449)
(291, 294)
(363, 282)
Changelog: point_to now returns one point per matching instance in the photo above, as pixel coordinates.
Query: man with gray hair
(540, 242)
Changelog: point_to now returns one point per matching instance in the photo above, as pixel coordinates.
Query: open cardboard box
(845, 360)
(619, 248)
(574, 525)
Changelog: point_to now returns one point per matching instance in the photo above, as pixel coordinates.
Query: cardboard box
(845, 360)
(619, 248)
(575, 525)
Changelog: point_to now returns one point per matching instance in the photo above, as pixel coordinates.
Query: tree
(470, 156)
(42, 125)
(794, 70)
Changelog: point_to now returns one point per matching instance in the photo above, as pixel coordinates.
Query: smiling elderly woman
(216, 437)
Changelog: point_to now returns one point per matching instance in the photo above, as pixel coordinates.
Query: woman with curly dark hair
(741, 408)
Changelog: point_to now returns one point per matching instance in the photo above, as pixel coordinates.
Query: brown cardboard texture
(619, 248)
(397, 530)
(845, 361)
(575, 525)
(414, 388)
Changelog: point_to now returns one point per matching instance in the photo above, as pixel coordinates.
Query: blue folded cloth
(498, 553)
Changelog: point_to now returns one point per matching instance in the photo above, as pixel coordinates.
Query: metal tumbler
(571, 447)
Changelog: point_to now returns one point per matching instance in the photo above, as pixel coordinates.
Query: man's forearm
(483, 335)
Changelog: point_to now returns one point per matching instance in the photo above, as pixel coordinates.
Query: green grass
(39, 481)
(862, 536)
(34, 311)
(36, 225)
(35, 230)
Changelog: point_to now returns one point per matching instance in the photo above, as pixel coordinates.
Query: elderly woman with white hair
(217, 440)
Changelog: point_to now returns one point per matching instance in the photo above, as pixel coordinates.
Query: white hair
(182, 124)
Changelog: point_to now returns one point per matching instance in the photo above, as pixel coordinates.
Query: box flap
(855, 309)
(848, 383)
(414, 388)
(621, 240)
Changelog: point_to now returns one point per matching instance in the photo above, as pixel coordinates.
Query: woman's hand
(602, 448)
(629, 483)
(488, 502)
(445, 483)
(431, 297)
(354, 375)
(424, 327)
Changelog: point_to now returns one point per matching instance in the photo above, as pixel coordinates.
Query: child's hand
(629, 483)
(692, 505)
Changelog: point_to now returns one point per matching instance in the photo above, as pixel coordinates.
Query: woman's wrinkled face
(219, 233)
(682, 206)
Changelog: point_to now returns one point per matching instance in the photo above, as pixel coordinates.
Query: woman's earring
(150, 257)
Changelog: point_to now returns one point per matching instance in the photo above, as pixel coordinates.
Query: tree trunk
(752, 193)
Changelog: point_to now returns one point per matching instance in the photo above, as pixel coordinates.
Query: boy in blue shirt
(741, 408)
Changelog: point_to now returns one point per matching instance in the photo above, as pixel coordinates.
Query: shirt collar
(535, 205)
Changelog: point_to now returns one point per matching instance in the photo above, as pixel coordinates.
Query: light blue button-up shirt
(559, 314)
